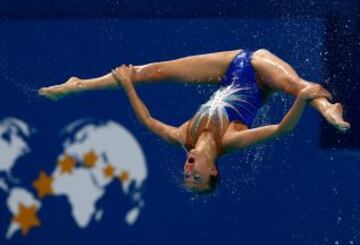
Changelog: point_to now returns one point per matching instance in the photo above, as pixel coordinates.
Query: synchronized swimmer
(221, 125)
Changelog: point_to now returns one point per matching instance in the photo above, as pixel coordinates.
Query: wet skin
(272, 74)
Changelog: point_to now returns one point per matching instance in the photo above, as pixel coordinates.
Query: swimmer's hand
(124, 75)
(311, 92)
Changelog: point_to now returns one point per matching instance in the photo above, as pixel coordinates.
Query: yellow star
(124, 176)
(43, 184)
(109, 171)
(90, 159)
(67, 164)
(26, 218)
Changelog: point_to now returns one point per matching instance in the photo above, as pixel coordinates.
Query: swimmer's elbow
(280, 130)
(147, 121)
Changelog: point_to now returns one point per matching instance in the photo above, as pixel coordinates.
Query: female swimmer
(221, 125)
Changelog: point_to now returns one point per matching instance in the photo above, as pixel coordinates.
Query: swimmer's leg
(205, 68)
(77, 85)
(276, 74)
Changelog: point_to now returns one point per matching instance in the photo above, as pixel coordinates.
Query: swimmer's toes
(50, 93)
(343, 126)
(42, 91)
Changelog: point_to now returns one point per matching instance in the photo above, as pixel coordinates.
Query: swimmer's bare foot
(59, 91)
(334, 115)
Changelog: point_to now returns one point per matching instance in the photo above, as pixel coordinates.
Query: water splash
(245, 167)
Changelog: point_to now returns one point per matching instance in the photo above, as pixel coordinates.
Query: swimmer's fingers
(127, 72)
(318, 94)
(117, 77)
(124, 75)
(322, 92)
(132, 72)
(325, 94)
(314, 91)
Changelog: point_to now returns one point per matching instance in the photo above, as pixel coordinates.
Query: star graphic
(109, 171)
(67, 164)
(124, 176)
(90, 159)
(26, 218)
(43, 185)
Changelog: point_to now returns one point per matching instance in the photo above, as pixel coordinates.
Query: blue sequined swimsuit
(238, 98)
(241, 74)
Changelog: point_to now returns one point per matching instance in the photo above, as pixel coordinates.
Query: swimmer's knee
(261, 52)
(259, 56)
(150, 72)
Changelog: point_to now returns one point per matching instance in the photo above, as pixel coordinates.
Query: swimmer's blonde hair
(214, 181)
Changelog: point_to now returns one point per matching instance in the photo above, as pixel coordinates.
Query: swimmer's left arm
(250, 137)
(167, 132)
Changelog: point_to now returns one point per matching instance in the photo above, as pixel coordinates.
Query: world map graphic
(92, 156)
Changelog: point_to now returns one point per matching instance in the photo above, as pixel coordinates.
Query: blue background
(300, 189)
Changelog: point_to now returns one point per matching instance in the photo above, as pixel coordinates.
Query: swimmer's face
(198, 171)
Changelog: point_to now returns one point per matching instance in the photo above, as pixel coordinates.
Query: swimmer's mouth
(191, 160)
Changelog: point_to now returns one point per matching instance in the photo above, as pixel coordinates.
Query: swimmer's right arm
(167, 132)
(250, 137)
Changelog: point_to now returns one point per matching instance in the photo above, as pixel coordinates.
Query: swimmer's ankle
(322, 105)
(74, 84)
